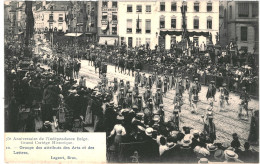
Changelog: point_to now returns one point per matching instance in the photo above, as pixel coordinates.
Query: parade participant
(211, 90)
(226, 93)
(82, 82)
(104, 79)
(149, 104)
(209, 126)
(129, 99)
(143, 80)
(244, 97)
(127, 86)
(194, 91)
(187, 83)
(136, 89)
(153, 77)
(120, 97)
(180, 87)
(147, 94)
(159, 83)
(158, 98)
(165, 84)
(150, 82)
(161, 112)
(177, 101)
(115, 85)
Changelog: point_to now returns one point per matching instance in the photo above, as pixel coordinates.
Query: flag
(137, 25)
(107, 25)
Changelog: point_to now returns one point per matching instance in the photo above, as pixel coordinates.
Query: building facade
(51, 15)
(157, 16)
(82, 18)
(107, 22)
(138, 23)
(241, 24)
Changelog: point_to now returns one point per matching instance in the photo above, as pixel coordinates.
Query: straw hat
(219, 154)
(211, 147)
(229, 154)
(149, 131)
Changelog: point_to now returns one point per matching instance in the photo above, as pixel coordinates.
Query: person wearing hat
(186, 151)
(193, 95)
(118, 131)
(129, 99)
(158, 98)
(226, 93)
(187, 83)
(218, 156)
(212, 149)
(245, 98)
(136, 89)
(211, 91)
(209, 127)
(147, 95)
(120, 97)
(115, 85)
(151, 150)
(231, 157)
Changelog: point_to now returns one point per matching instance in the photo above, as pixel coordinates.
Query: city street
(226, 122)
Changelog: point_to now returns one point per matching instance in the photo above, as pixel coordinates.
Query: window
(129, 8)
(51, 17)
(148, 8)
(243, 9)
(209, 23)
(162, 6)
(230, 12)
(114, 29)
(173, 39)
(138, 42)
(104, 15)
(162, 22)
(196, 23)
(138, 26)
(139, 8)
(243, 33)
(114, 4)
(148, 26)
(173, 22)
(255, 9)
(104, 4)
(197, 6)
(209, 6)
(173, 6)
(129, 26)
(196, 40)
(114, 16)
(60, 17)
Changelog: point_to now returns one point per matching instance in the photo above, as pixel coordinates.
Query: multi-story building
(83, 18)
(108, 22)
(138, 23)
(240, 24)
(162, 16)
(51, 16)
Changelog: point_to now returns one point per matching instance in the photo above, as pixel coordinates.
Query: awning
(73, 34)
(110, 40)
(104, 27)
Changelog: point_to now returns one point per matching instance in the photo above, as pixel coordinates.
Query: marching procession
(144, 114)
